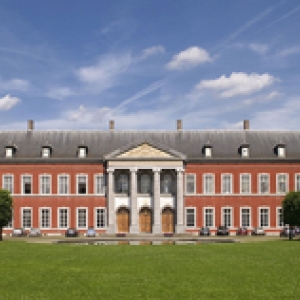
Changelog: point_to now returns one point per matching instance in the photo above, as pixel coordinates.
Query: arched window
(145, 184)
(122, 184)
(166, 184)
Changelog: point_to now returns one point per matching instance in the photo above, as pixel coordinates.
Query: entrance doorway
(167, 220)
(145, 220)
(123, 220)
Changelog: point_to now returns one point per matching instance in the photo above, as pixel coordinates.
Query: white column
(111, 228)
(156, 229)
(134, 224)
(179, 202)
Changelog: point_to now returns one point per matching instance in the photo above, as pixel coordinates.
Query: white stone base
(134, 229)
(179, 229)
(156, 229)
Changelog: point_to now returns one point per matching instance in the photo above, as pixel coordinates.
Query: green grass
(267, 270)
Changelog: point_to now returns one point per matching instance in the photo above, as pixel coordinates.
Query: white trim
(58, 184)
(186, 181)
(277, 219)
(297, 174)
(86, 217)
(31, 220)
(250, 215)
(50, 217)
(22, 183)
(86, 182)
(40, 184)
(203, 183)
(95, 183)
(250, 185)
(46, 152)
(286, 183)
(68, 217)
(231, 216)
(259, 183)
(259, 213)
(95, 217)
(195, 216)
(214, 216)
(231, 183)
(12, 181)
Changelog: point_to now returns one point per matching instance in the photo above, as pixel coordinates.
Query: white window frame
(231, 216)
(278, 225)
(95, 217)
(259, 183)
(86, 182)
(281, 151)
(245, 151)
(259, 216)
(222, 184)
(23, 186)
(41, 184)
(96, 184)
(208, 151)
(213, 216)
(22, 217)
(241, 185)
(41, 217)
(195, 217)
(296, 185)
(250, 216)
(286, 183)
(86, 217)
(191, 175)
(68, 217)
(12, 182)
(58, 183)
(205, 176)
(46, 152)
(82, 152)
(9, 152)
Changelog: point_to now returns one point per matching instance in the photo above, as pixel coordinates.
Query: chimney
(246, 125)
(111, 125)
(30, 125)
(179, 125)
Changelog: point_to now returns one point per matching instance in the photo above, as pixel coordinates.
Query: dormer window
(46, 152)
(82, 151)
(207, 150)
(280, 150)
(9, 152)
(245, 150)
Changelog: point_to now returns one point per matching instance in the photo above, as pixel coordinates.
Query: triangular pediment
(145, 151)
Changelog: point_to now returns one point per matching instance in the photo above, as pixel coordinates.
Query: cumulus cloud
(189, 58)
(8, 102)
(14, 84)
(152, 51)
(238, 84)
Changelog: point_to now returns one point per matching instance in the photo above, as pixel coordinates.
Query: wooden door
(145, 220)
(167, 220)
(123, 220)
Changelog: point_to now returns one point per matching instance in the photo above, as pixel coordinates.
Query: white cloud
(288, 51)
(8, 102)
(258, 48)
(60, 93)
(152, 51)
(238, 84)
(262, 98)
(14, 84)
(189, 58)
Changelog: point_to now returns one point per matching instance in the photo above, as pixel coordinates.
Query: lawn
(266, 270)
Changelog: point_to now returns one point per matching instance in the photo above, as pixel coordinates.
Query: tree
(291, 210)
(6, 206)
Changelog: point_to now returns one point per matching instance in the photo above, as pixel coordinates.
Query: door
(123, 220)
(145, 220)
(167, 220)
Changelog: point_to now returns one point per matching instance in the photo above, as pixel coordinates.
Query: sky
(75, 65)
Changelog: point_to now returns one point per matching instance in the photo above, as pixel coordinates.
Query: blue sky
(145, 64)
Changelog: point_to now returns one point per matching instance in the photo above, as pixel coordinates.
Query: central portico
(145, 189)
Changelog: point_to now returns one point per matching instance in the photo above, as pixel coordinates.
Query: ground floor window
(245, 217)
(264, 217)
(26, 218)
(81, 217)
(279, 217)
(45, 217)
(208, 217)
(100, 217)
(190, 217)
(227, 218)
(63, 217)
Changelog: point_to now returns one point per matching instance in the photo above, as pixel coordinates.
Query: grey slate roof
(225, 144)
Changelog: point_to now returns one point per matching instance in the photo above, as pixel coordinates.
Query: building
(148, 181)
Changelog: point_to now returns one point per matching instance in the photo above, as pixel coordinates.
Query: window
(145, 184)
(45, 152)
(63, 217)
(281, 150)
(281, 183)
(45, 218)
(99, 184)
(245, 184)
(9, 152)
(8, 183)
(245, 217)
(264, 183)
(226, 184)
(209, 217)
(264, 217)
(166, 184)
(209, 183)
(63, 184)
(82, 152)
(207, 151)
(81, 184)
(26, 184)
(26, 218)
(81, 217)
(190, 217)
(245, 151)
(100, 218)
(123, 183)
(45, 184)
(226, 215)
(279, 217)
(297, 182)
(190, 183)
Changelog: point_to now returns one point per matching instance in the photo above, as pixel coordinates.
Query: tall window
(208, 217)
(281, 183)
(81, 217)
(63, 217)
(297, 182)
(45, 218)
(264, 183)
(123, 184)
(190, 184)
(100, 217)
(81, 184)
(8, 183)
(245, 217)
(190, 217)
(264, 217)
(166, 184)
(45, 184)
(226, 184)
(99, 184)
(227, 217)
(245, 184)
(26, 218)
(209, 183)
(63, 184)
(26, 184)
(279, 217)
(145, 184)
